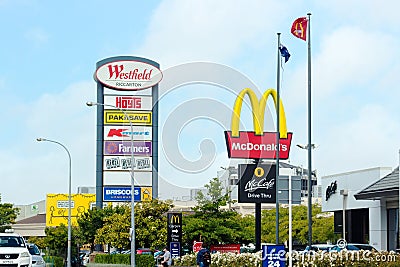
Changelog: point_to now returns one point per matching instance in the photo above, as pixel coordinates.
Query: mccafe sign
(257, 183)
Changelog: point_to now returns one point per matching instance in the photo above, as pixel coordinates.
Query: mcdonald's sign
(257, 144)
(175, 219)
(174, 231)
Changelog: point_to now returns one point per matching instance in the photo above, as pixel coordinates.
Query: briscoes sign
(257, 183)
(140, 148)
(257, 144)
(124, 193)
(128, 75)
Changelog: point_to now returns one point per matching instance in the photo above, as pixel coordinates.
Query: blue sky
(49, 51)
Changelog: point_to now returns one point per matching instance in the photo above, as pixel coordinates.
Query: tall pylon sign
(127, 129)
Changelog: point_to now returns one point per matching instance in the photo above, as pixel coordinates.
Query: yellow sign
(175, 219)
(119, 117)
(258, 112)
(146, 193)
(57, 207)
(259, 172)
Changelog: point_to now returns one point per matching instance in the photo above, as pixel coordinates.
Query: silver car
(37, 259)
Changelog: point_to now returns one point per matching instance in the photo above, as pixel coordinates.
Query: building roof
(388, 186)
(40, 218)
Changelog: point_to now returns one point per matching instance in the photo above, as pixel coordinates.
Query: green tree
(92, 220)
(214, 199)
(150, 226)
(151, 223)
(212, 224)
(56, 240)
(116, 229)
(8, 214)
(39, 241)
(322, 224)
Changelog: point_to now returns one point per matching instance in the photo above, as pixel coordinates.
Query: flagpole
(278, 71)
(309, 132)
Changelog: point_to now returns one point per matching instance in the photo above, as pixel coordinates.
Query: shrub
(223, 260)
(54, 260)
(141, 260)
(315, 259)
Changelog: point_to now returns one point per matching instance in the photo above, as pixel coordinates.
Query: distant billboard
(57, 207)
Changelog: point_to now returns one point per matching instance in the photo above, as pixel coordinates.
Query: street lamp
(309, 147)
(306, 146)
(69, 199)
(344, 193)
(133, 251)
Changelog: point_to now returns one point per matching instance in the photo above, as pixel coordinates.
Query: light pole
(133, 251)
(309, 147)
(69, 198)
(344, 193)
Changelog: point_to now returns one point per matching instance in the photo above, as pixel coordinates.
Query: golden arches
(258, 111)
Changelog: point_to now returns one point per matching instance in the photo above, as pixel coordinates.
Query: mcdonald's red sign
(257, 144)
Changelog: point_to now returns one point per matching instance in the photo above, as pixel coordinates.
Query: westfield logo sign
(128, 75)
(257, 144)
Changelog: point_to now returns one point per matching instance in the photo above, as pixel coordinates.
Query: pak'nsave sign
(257, 144)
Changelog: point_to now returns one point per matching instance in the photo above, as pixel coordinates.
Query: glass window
(33, 249)
(11, 241)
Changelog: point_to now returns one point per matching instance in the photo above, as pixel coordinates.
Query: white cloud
(209, 30)
(370, 14)
(350, 57)
(368, 140)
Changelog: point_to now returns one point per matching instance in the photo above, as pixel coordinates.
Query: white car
(13, 251)
(37, 259)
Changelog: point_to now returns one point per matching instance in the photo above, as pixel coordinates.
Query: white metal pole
(69, 198)
(290, 220)
(132, 230)
(344, 216)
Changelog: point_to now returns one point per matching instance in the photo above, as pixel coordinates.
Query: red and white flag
(299, 28)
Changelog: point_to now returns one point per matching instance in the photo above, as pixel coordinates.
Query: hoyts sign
(257, 144)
